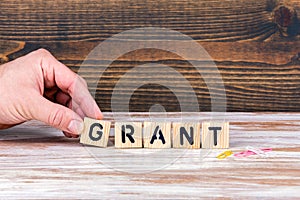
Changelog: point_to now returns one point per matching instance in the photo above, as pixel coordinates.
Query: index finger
(56, 73)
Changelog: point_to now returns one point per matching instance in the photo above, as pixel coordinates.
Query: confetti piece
(253, 151)
(225, 154)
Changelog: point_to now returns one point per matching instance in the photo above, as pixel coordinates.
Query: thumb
(57, 116)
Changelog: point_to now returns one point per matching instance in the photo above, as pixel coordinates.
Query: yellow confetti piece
(225, 154)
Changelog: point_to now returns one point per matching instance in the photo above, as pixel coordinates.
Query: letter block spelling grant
(215, 135)
(128, 135)
(95, 132)
(157, 135)
(186, 135)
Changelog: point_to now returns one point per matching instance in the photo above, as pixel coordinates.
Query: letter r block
(95, 132)
(157, 135)
(128, 135)
(215, 135)
(186, 135)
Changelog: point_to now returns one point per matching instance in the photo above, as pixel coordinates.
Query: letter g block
(95, 132)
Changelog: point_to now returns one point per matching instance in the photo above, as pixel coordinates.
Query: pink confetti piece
(252, 151)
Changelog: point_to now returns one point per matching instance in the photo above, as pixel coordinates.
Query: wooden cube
(186, 135)
(128, 135)
(157, 135)
(215, 135)
(95, 132)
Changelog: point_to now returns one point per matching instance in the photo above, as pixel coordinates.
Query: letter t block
(95, 132)
(215, 135)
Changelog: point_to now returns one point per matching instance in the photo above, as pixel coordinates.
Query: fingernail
(98, 113)
(100, 116)
(75, 127)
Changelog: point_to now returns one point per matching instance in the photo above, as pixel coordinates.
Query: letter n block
(215, 135)
(157, 135)
(95, 132)
(186, 135)
(128, 135)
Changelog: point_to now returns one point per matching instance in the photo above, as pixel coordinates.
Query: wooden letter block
(186, 135)
(157, 135)
(215, 135)
(95, 132)
(128, 135)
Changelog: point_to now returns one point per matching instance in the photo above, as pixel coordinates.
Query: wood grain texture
(38, 162)
(95, 132)
(7, 48)
(135, 131)
(157, 135)
(186, 135)
(75, 20)
(216, 138)
(255, 49)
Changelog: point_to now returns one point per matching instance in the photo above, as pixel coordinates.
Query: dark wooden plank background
(255, 45)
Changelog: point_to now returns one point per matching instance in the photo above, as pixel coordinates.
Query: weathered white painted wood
(38, 162)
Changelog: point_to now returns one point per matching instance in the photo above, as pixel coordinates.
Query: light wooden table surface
(38, 162)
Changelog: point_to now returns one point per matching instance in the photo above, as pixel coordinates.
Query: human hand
(37, 86)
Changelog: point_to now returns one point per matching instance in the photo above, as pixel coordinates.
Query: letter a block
(215, 135)
(95, 132)
(128, 135)
(186, 135)
(157, 135)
